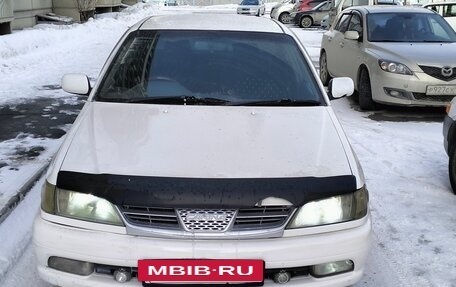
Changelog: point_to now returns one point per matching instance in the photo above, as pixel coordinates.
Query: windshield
(249, 2)
(408, 27)
(220, 67)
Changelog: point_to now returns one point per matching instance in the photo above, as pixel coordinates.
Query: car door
(322, 12)
(351, 50)
(334, 37)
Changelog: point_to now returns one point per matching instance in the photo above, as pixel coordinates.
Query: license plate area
(187, 272)
(441, 90)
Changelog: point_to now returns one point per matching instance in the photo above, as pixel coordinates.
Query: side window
(326, 7)
(449, 11)
(355, 24)
(342, 25)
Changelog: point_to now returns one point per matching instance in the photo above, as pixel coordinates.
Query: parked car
(306, 19)
(395, 55)
(445, 9)
(449, 140)
(251, 7)
(306, 5)
(208, 143)
(325, 22)
(340, 5)
(281, 11)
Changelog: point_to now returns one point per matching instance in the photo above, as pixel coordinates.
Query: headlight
(332, 210)
(79, 206)
(394, 67)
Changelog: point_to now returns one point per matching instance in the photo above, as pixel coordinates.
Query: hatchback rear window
(232, 66)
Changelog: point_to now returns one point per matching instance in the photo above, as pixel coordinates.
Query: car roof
(439, 3)
(390, 9)
(211, 22)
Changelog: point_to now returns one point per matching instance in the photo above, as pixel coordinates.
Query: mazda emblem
(447, 71)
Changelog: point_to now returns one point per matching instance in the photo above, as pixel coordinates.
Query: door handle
(330, 39)
(341, 44)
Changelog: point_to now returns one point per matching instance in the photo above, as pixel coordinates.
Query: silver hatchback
(395, 55)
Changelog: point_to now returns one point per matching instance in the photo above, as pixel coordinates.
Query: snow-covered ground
(412, 205)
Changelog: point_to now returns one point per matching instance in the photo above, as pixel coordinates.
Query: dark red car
(306, 5)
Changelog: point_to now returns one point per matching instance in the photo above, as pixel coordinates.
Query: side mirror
(351, 35)
(340, 87)
(76, 84)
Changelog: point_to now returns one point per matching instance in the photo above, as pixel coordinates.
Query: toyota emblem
(447, 71)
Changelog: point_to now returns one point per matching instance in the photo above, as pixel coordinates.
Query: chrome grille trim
(248, 223)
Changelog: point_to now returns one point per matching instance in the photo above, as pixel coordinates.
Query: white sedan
(207, 153)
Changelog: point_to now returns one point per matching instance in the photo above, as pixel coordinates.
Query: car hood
(414, 54)
(206, 142)
(174, 156)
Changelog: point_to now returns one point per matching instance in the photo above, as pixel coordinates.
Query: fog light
(282, 277)
(332, 268)
(71, 266)
(401, 94)
(122, 275)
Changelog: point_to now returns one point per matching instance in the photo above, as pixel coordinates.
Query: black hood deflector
(203, 192)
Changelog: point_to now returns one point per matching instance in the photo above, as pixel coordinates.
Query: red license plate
(200, 270)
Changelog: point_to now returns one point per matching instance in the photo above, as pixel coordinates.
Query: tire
(365, 92)
(452, 168)
(325, 77)
(305, 22)
(258, 13)
(284, 18)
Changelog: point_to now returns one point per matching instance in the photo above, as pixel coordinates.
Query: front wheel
(305, 22)
(452, 168)
(324, 74)
(365, 92)
(284, 18)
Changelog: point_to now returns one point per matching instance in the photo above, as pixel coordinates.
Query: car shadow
(401, 114)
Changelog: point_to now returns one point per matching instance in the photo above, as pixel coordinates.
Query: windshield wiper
(279, 102)
(183, 100)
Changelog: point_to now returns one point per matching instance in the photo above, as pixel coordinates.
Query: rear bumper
(51, 239)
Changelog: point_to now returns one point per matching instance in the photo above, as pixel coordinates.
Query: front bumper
(249, 12)
(51, 239)
(413, 88)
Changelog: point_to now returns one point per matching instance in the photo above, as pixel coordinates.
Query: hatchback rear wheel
(305, 22)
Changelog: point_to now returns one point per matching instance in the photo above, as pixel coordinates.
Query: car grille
(433, 98)
(436, 72)
(207, 220)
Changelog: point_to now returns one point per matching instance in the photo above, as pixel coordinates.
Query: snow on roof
(208, 21)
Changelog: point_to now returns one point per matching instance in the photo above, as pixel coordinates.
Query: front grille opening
(154, 217)
(262, 217)
(207, 220)
(433, 98)
(436, 72)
